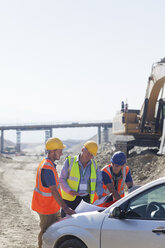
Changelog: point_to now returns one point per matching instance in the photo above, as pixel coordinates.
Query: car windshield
(148, 205)
(143, 201)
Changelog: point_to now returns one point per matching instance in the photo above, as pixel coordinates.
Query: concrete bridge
(49, 130)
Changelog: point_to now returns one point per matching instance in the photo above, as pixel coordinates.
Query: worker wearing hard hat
(80, 177)
(47, 198)
(116, 175)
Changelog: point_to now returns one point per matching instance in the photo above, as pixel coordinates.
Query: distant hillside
(112, 138)
(38, 148)
(72, 143)
(7, 143)
(77, 148)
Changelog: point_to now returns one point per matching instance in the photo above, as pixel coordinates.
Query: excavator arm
(155, 85)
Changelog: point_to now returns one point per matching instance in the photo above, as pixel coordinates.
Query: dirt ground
(19, 224)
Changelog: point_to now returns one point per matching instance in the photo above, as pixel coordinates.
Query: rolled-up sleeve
(128, 177)
(99, 183)
(63, 177)
(106, 178)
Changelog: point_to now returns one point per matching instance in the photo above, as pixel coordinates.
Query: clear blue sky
(76, 60)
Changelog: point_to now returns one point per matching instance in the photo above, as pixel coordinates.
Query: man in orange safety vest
(47, 198)
(116, 175)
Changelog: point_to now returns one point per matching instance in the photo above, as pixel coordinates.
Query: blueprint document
(86, 207)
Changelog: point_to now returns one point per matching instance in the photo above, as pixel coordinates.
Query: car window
(148, 205)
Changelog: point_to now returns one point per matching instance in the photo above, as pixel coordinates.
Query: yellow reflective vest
(74, 178)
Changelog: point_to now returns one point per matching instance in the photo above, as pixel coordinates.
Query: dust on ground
(19, 224)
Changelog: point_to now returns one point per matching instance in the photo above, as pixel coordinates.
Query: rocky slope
(145, 164)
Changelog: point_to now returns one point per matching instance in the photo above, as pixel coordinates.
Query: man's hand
(112, 190)
(69, 211)
(60, 201)
(73, 193)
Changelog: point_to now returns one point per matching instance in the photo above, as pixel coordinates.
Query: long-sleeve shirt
(84, 178)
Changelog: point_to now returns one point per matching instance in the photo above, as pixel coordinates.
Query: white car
(137, 220)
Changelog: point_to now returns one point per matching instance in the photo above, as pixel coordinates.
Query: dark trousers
(75, 203)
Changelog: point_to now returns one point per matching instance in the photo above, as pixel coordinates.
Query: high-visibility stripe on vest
(121, 181)
(43, 201)
(73, 179)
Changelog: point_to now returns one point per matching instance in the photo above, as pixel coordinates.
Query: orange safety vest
(121, 181)
(43, 201)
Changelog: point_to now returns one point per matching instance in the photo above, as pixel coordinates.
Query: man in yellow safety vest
(80, 177)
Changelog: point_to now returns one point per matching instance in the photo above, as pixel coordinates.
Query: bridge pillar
(18, 143)
(2, 141)
(105, 134)
(99, 135)
(51, 132)
(48, 134)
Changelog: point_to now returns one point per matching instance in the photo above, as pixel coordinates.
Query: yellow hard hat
(53, 144)
(92, 147)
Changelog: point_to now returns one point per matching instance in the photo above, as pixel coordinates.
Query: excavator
(144, 125)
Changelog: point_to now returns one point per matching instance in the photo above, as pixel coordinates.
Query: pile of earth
(145, 165)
